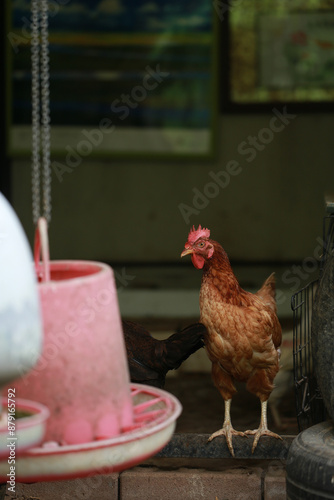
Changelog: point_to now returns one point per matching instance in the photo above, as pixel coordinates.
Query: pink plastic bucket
(82, 375)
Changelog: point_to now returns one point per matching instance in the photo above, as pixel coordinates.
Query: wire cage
(309, 403)
(310, 407)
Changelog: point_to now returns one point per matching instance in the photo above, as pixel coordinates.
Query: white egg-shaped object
(21, 331)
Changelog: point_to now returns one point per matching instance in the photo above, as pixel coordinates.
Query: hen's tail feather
(268, 292)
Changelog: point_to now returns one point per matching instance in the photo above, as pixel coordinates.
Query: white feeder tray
(155, 412)
(20, 434)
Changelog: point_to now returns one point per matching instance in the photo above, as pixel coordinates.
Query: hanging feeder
(98, 421)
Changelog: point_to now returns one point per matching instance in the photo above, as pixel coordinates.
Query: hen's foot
(227, 431)
(261, 431)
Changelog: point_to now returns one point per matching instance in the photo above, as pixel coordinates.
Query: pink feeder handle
(41, 247)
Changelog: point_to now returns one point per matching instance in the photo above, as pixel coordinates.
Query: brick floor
(167, 480)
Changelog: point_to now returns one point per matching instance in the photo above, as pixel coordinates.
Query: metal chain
(35, 91)
(40, 109)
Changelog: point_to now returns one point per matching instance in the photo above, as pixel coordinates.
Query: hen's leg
(261, 384)
(263, 428)
(227, 429)
(225, 386)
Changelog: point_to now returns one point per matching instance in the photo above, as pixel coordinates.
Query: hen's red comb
(194, 234)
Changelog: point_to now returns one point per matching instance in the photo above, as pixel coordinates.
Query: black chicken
(150, 359)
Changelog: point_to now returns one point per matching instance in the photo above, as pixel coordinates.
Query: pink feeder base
(154, 418)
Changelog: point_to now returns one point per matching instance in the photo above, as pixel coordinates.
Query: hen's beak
(186, 251)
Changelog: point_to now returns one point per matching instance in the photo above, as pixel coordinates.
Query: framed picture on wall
(281, 53)
(297, 51)
(127, 79)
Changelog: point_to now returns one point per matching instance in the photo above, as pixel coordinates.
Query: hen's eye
(201, 244)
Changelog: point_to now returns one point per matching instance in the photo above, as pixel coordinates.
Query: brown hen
(243, 332)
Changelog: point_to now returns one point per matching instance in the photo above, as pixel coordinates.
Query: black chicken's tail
(179, 346)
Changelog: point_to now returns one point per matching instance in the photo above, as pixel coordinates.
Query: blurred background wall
(271, 210)
(268, 209)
